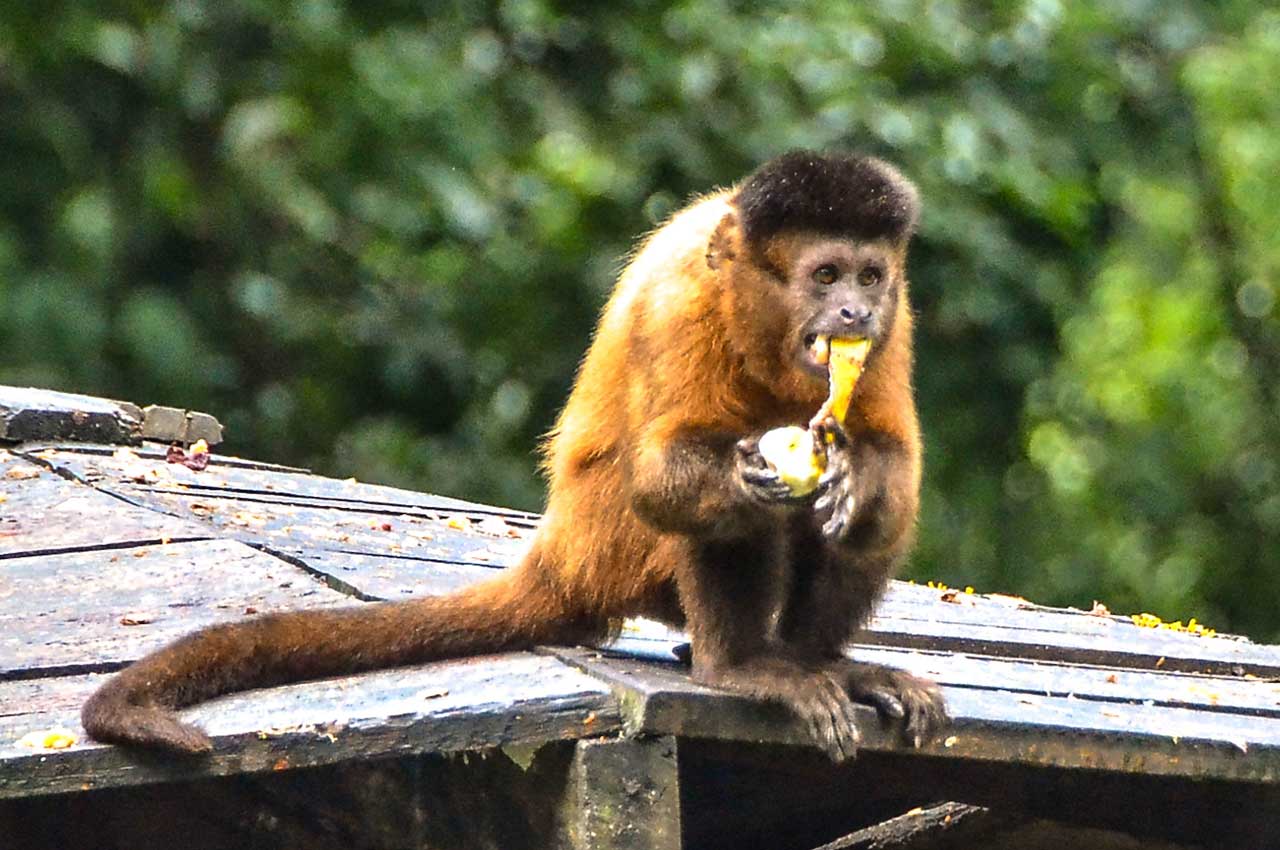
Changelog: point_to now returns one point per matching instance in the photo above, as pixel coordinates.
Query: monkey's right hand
(759, 480)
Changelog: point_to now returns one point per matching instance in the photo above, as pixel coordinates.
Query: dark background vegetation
(373, 237)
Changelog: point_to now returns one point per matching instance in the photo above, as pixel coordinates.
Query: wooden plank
(905, 603)
(1125, 646)
(1238, 694)
(1248, 695)
(1120, 645)
(1227, 694)
(281, 513)
(374, 577)
(27, 413)
(452, 801)
(989, 724)
(303, 528)
(95, 610)
(445, 707)
(68, 456)
(41, 512)
(232, 476)
(923, 828)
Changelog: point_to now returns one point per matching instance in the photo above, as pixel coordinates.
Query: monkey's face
(836, 288)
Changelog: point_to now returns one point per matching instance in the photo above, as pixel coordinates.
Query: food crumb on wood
(48, 739)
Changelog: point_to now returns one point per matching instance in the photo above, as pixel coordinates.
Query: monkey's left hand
(843, 491)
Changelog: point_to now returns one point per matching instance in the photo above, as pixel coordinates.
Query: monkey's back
(649, 356)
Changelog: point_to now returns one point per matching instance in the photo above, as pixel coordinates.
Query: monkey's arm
(703, 481)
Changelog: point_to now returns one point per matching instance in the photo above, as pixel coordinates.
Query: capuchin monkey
(660, 503)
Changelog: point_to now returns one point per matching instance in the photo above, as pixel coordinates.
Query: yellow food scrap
(199, 447)
(844, 359)
(48, 739)
(1151, 621)
(791, 452)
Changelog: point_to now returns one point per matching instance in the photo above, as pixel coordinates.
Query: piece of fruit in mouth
(844, 358)
(793, 451)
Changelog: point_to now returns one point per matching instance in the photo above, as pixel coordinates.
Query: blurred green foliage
(373, 238)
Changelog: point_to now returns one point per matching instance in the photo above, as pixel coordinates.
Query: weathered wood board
(428, 542)
(252, 479)
(97, 610)
(985, 627)
(368, 576)
(303, 515)
(42, 512)
(990, 721)
(446, 707)
(1029, 687)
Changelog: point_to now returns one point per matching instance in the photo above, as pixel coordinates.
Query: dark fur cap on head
(839, 194)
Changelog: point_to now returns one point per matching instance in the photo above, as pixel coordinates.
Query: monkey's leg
(834, 588)
(730, 592)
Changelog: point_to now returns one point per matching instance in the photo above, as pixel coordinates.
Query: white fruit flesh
(791, 452)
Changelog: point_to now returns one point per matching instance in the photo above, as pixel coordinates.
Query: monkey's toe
(831, 718)
(900, 697)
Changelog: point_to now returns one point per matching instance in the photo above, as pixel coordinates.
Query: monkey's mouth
(817, 351)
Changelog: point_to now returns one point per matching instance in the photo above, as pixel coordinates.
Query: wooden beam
(623, 794)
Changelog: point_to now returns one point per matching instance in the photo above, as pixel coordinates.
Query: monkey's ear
(723, 245)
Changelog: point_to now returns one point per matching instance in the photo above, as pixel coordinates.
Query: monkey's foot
(830, 716)
(898, 696)
(820, 700)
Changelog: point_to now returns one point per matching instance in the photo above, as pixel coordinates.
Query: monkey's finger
(831, 434)
(836, 527)
(748, 446)
(826, 500)
(770, 490)
(773, 494)
(838, 469)
(760, 476)
(783, 493)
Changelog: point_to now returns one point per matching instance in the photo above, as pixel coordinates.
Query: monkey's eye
(870, 276)
(826, 275)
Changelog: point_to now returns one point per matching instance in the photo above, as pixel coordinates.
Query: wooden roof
(108, 552)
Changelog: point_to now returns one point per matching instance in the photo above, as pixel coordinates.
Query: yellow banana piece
(844, 366)
(792, 450)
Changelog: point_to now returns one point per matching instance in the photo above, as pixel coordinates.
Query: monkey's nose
(859, 316)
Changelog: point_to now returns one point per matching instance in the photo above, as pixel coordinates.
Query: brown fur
(650, 511)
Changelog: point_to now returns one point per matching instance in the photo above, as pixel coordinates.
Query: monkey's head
(814, 248)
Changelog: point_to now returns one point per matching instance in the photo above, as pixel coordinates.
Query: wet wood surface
(459, 706)
(107, 553)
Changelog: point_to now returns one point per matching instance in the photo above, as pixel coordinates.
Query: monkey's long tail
(518, 610)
